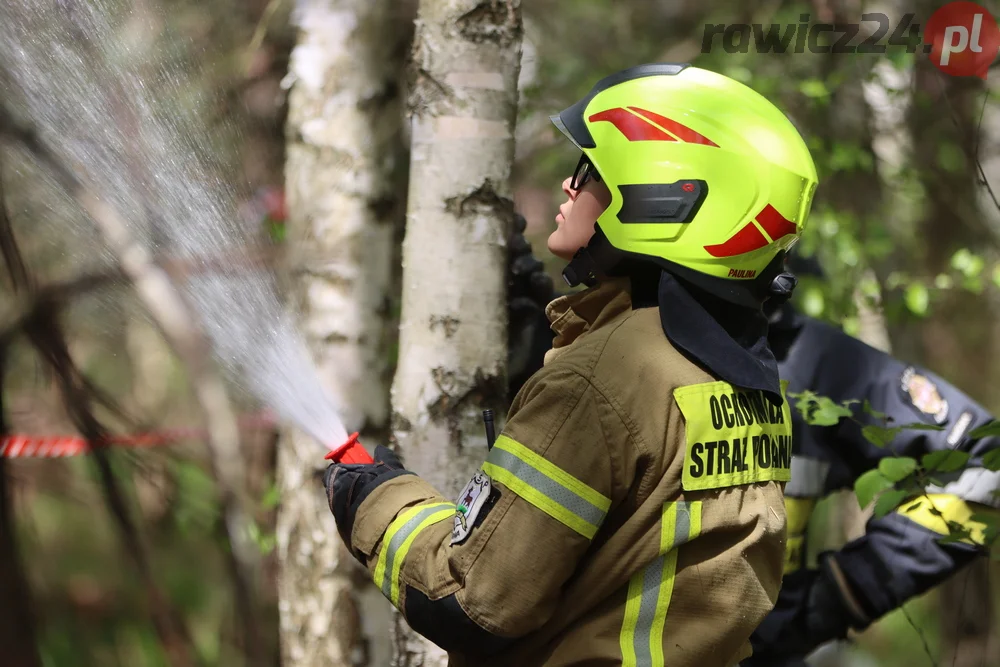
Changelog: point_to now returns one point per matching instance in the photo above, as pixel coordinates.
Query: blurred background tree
(905, 224)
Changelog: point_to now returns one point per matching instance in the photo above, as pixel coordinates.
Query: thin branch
(261, 30)
(18, 629)
(175, 321)
(41, 327)
(46, 335)
(56, 295)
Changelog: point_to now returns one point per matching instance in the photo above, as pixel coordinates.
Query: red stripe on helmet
(685, 133)
(775, 224)
(633, 127)
(747, 239)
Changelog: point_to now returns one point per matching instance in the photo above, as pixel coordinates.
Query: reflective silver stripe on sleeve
(551, 489)
(808, 477)
(974, 485)
(398, 538)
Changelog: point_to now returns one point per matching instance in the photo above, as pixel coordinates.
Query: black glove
(810, 612)
(347, 486)
(529, 291)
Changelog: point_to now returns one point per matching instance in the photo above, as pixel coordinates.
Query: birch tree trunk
(345, 176)
(452, 354)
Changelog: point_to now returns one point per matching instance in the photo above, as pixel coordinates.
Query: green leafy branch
(903, 479)
(969, 272)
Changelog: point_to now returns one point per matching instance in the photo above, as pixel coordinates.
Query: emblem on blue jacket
(923, 395)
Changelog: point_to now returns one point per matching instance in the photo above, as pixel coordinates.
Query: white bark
(452, 360)
(345, 202)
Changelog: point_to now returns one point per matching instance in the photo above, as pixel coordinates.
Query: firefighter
(901, 555)
(631, 510)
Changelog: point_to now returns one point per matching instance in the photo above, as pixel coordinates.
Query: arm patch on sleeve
(473, 503)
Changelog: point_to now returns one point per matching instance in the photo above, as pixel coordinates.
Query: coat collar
(729, 341)
(573, 315)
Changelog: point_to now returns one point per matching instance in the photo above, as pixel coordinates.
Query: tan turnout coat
(639, 519)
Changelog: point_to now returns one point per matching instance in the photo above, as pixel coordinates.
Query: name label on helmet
(742, 273)
(734, 437)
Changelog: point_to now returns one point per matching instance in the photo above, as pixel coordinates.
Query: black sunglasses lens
(581, 174)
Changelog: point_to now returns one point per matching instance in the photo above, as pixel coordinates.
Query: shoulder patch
(734, 436)
(923, 395)
(470, 502)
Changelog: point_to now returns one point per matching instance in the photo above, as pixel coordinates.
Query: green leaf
(278, 231)
(814, 88)
(992, 460)
(271, 498)
(869, 485)
(921, 426)
(912, 507)
(869, 410)
(944, 281)
(986, 430)
(985, 519)
(812, 301)
(880, 436)
(917, 298)
(889, 501)
(950, 157)
(946, 460)
(996, 275)
(897, 468)
(824, 412)
(955, 536)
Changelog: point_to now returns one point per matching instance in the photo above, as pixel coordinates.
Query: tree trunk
(452, 360)
(345, 187)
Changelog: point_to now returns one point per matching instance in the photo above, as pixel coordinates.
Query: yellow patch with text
(734, 436)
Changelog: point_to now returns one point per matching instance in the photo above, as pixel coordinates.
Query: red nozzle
(350, 452)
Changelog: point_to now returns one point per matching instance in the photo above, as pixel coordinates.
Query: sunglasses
(584, 171)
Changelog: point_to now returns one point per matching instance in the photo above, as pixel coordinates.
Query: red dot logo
(688, 187)
(964, 39)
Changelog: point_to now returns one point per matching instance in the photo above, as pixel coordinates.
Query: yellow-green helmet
(707, 177)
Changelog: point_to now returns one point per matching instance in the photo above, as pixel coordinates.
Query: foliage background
(904, 223)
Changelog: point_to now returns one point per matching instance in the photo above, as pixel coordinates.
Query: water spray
(136, 146)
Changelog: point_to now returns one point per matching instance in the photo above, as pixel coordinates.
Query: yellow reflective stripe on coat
(397, 541)
(649, 590)
(798, 512)
(734, 436)
(547, 486)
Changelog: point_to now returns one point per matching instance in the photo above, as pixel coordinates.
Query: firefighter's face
(577, 217)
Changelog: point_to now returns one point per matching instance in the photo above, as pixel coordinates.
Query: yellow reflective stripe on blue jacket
(397, 541)
(650, 590)
(935, 511)
(547, 486)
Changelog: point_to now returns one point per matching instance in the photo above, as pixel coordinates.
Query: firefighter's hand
(526, 277)
(790, 633)
(347, 486)
(529, 290)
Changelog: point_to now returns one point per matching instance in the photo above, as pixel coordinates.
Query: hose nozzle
(350, 452)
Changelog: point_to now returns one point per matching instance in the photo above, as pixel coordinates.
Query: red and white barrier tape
(21, 446)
